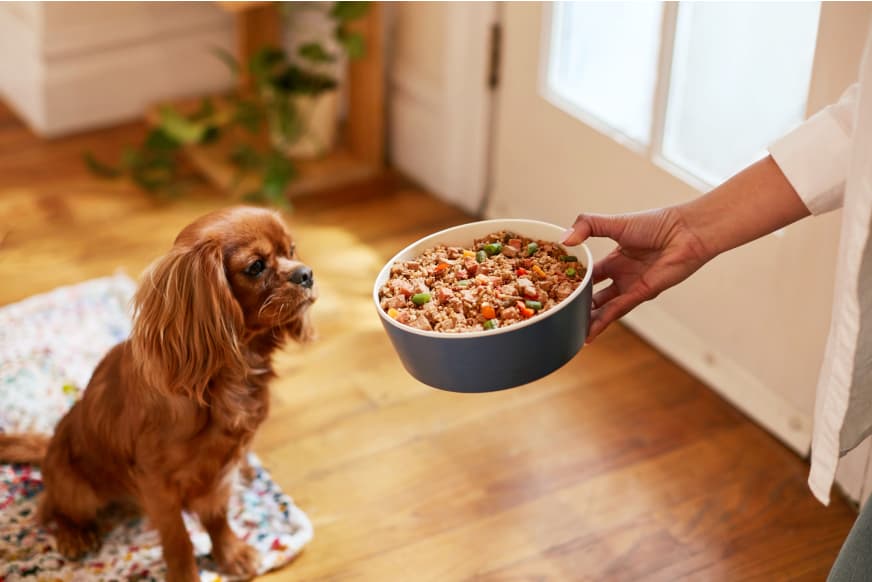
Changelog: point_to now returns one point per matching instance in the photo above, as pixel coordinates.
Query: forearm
(755, 202)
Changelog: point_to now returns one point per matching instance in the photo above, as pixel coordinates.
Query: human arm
(657, 249)
(660, 248)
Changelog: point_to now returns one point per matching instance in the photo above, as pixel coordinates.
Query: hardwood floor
(620, 466)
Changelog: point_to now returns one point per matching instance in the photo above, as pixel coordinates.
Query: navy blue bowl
(485, 361)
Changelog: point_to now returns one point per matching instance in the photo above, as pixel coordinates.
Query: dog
(169, 414)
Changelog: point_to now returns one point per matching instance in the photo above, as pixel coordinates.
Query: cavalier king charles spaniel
(169, 414)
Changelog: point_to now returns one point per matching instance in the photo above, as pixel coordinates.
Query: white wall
(68, 66)
(753, 323)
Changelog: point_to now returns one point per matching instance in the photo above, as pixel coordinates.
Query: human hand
(656, 250)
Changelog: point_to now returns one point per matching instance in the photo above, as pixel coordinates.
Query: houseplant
(287, 110)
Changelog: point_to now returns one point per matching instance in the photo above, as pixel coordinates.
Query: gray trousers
(854, 563)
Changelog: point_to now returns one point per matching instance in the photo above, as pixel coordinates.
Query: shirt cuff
(815, 158)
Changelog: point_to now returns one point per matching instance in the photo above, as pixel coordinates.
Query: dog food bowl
(506, 357)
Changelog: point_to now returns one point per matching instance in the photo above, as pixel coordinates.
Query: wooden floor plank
(620, 466)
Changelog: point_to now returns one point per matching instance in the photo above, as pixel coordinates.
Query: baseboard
(724, 376)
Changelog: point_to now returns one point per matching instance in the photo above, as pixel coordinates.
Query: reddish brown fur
(169, 413)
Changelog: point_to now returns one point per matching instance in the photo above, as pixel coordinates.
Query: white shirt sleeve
(815, 157)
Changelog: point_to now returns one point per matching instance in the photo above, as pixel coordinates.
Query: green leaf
(154, 176)
(206, 110)
(295, 80)
(249, 115)
(285, 122)
(314, 52)
(158, 140)
(348, 11)
(280, 167)
(211, 135)
(281, 202)
(245, 157)
(98, 168)
(352, 42)
(130, 157)
(264, 62)
(228, 59)
(180, 128)
(278, 174)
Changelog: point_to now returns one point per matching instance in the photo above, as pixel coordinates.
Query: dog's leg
(72, 504)
(231, 554)
(76, 532)
(165, 514)
(246, 471)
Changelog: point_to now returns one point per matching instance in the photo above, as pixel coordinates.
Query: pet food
(503, 279)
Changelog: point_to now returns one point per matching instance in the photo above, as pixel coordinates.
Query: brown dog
(169, 413)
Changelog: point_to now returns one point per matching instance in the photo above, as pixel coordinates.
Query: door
(441, 96)
(608, 108)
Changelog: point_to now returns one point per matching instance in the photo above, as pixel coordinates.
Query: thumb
(588, 225)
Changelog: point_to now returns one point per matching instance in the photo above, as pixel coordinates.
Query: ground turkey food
(502, 280)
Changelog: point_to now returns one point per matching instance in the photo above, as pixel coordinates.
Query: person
(823, 164)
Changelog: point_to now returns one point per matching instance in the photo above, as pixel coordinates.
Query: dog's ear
(187, 323)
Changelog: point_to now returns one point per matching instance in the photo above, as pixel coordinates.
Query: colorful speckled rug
(49, 344)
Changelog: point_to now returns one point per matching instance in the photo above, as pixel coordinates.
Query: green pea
(537, 305)
(569, 259)
(491, 324)
(571, 272)
(420, 298)
(532, 248)
(464, 282)
(493, 248)
(480, 256)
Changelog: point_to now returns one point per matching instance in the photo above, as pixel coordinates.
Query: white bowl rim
(487, 332)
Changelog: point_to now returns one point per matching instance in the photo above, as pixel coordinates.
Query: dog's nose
(302, 276)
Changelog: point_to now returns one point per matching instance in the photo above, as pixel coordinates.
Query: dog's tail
(23, 448)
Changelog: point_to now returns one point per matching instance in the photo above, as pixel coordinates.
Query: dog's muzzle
(303, 277)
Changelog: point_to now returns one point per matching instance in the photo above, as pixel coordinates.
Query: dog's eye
(255, 268)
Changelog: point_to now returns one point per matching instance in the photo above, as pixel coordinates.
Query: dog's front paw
(237, 558)
(247, 472)
(74, 542)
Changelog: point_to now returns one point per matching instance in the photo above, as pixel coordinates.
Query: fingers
(607, 310)
(602, 270)
(602, 317)
(588, 225)
(603, 296)
(596, 328)
(576, 234)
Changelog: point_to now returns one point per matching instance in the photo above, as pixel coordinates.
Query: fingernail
(566, 234)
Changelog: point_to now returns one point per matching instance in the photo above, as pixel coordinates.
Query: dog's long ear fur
(187, 323)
